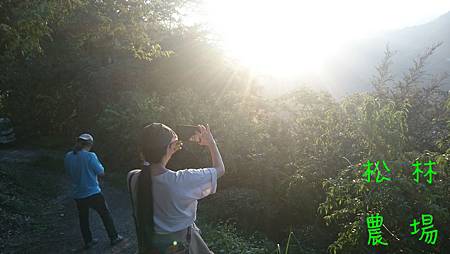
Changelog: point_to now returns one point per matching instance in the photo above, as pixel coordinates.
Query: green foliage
(289, 246)
(79, 43)
(124, 120)
(2, 110)
(103, 67)
(240, 205)
(225, 238)
(350, 198)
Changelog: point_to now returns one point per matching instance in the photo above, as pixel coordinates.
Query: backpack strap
(131, 198)
(189, 229)
(188, 239)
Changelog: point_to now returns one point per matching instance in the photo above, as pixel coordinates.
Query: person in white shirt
(165, 201)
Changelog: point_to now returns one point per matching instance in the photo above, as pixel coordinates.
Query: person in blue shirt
(84, 169)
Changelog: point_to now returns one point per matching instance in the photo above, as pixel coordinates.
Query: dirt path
(62, 218)
(119, 204)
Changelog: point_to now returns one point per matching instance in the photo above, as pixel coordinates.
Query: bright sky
(281, 37)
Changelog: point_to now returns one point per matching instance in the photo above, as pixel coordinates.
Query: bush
(225, 238)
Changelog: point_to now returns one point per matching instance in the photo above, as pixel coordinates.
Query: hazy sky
(394, 14)
(283, 35)
(368, 14)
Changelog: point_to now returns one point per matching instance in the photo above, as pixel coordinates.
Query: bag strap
(131, 198)
(189, 229)
(188, 239)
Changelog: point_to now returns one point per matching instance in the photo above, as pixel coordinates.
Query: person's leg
(99, 204)
(83, 214)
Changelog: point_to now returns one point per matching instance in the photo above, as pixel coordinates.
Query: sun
(282, 38)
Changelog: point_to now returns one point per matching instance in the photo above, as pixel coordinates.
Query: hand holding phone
(198, 134)
(188, 133)
(206, 137)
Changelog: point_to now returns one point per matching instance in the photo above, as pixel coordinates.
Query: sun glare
(288, 37)
(268, 36)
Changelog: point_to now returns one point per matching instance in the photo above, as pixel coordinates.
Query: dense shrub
(294, 160)
(225, 238)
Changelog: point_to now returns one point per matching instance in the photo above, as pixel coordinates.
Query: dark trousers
(98, 203)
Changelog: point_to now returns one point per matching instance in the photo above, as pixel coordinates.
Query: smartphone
(185, 132)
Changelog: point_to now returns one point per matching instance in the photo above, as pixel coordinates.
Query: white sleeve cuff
(213, 180)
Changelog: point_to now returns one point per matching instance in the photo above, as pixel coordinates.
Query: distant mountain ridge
(351, 70)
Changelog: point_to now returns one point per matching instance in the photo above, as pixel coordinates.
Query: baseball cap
(87, 137)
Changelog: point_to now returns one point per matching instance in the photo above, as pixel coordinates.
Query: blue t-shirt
(83, 169)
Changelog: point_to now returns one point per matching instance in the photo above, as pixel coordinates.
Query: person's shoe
(91, 243)
(116, 240)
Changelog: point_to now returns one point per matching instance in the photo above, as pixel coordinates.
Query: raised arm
(207, 139)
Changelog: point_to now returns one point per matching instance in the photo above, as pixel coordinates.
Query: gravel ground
(63, 235)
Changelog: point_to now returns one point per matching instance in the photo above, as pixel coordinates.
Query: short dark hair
(154, 141)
